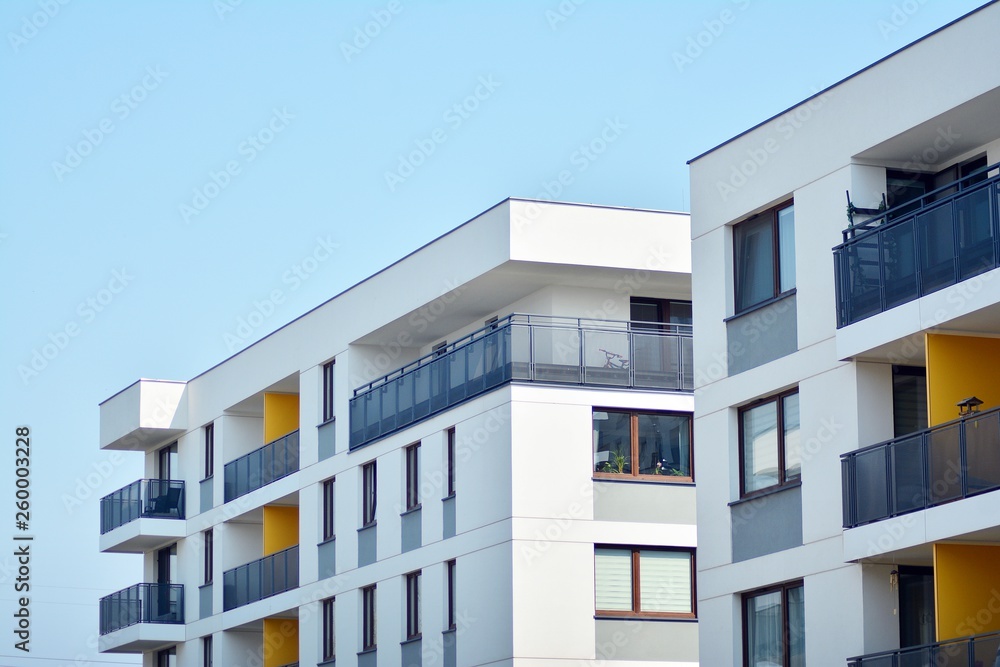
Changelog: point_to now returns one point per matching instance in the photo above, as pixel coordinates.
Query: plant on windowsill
(669, 471)
(616, 463)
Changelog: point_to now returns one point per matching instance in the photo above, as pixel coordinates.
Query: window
(209, 554)
(329, 627)
(329, 528)
(664, 311)
(413, 477)
(764, 250)
(166, 658)
(206, 651)
(451, 594)
(439, 348)
(451, 462)
(167, 461)
(328, 410)
(368, 494)
(209, 450)
(644, 581)
(651, 445)
(368, 637)
(413, 605)
(770, 454)
(774, 632)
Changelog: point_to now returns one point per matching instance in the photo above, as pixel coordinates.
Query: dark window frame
(450, 574)
(329, 411)
(413, 620)
(209, 450)
(634, 444)
(773, 213)
(411, 456)
(785, 626)
(369, 494)
(208, 560)
(329, 646)
(637, 585)
(663, 311)
(783, 481)
(369, 618)
(329, 491)
(206, 651)
(450, 464)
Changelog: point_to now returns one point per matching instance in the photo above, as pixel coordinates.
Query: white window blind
(665, 581)
(613, 579)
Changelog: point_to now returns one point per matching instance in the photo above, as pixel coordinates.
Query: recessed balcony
(938, 465)
(525, 348)
(262, 466)
(145, 515)
(940, 239)
(975, 651)
(144, 617)
(259, 579)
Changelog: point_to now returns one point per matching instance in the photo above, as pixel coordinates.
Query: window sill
(332, 538)
(367, 526)
(648, 616)
(205, 479)
(411, 510)
(450, 631)
(450, 496)
(769, 491)
(642, 479)
(327, 662)
(761, 305)
(328, 421)
(366, 651)
(411, 640)
(205, 585)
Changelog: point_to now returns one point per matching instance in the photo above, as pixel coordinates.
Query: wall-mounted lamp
(969, 405)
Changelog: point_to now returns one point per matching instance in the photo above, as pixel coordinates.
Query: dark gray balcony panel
(767, 524)
(142, 603)
(974, 650)
(450, 640)
(205, 491)
(411, 530)
(262, 466)
(762, 335)
(448, 507)
(262, 578)
(327, 440)
(412, 653)
(327, 558)
(205, 601)
(144, 498)
(367, 545)
(368, 659)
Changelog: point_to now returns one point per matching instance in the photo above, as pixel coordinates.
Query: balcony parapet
(977, 650)
(142, 603)
(278, 458)
(525, 348)
(259, 579)
(144, 498)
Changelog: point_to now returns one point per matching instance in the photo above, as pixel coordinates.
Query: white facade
(527, 509)
(930, 111)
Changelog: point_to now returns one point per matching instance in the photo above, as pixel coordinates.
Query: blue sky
(167, 169)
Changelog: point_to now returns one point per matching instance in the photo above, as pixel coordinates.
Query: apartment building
(847, 368)
(481, 454)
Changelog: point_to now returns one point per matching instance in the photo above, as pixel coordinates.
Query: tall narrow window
(329, 527)
(209, 450)
(770, 450)
(413, 477)
(206, 651)
(764, 250)
(451, 594)
(413, 605)
(644, 581)
(329, 629)
(369, 493)
(368, 618)
(209, 553)
(167, 461)
(774, 626)
(328, 407)
(451, 461)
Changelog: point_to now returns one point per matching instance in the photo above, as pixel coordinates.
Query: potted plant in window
(616, 462)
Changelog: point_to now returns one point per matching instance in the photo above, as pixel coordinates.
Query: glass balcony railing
(976, 651)
(940, 239)
(955, 460)
(152, 498)
(142, 603)
(525, 348)
(260, 579)
(262, 466)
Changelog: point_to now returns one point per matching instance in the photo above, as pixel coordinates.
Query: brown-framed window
(654, 446)
(369, 493)
(209, 450)
(329, 629)
(413, 605)
(369, 639)
(208, 550)
(451, 462)
(329, 504)
(774, 630)
(412, 454)
(451, 572)
(644, 581)
(648, 310)
(770, 447)
(328, 405)
(764, 254)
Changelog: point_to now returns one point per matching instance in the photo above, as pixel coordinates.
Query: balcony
(938, 465)
(940, 239)
(976, 651)
(525, 348)
(141, 618)
(144, 416)
(261, 578)
(262, 466)
(142, 516)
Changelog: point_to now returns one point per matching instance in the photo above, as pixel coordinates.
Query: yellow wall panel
(281, 641)
(959, 367)
(281, 528)
(281, 415)
(966, 589)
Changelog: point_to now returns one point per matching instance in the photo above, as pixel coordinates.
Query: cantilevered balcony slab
(144, 416)
(147, 514)
(144, 617)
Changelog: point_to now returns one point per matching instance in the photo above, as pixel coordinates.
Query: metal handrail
(269, 580)
(950, 646)
(142, 603)
(143, 498)
(280, 467)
